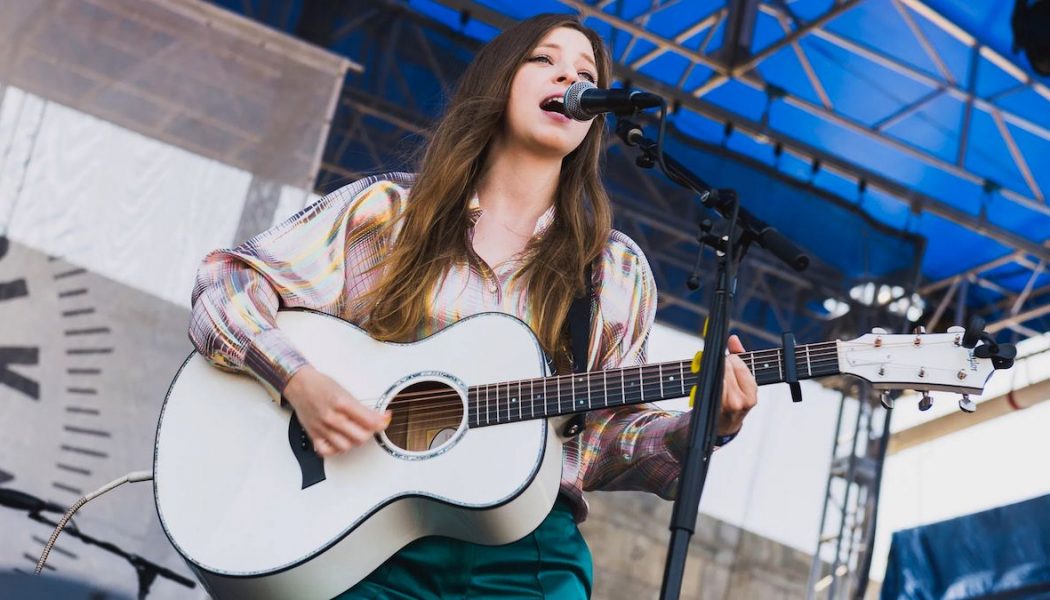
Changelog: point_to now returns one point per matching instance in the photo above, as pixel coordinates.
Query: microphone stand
(731, 238)
(147, 571)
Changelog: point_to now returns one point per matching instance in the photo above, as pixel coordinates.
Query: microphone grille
(571, 100)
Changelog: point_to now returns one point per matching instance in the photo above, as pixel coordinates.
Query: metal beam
(773, 48)
(1018, 156)
(797, 147)
(849, 169)
(811, 74)
(988, 266)
(740, 31)
(723, 74)
(586, 10)
(897, 144)
(924, 42)
(710, 21)
(992, 408)
(1019, 318)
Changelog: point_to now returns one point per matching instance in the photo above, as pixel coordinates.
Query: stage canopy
(904, 143)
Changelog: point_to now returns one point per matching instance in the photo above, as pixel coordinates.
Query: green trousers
(551, 562)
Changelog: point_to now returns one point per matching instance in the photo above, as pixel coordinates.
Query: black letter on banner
(11, 289)
(19, 356)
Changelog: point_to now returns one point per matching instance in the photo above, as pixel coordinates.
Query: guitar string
(802, 360)
(814, 356)
(647, 376)
(502, 404)
(446, 414)
(443, 414)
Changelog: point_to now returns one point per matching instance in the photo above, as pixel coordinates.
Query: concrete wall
(628, 535)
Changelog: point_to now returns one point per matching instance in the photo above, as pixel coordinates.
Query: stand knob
(967, 405)
(926, 403)
(886, 400)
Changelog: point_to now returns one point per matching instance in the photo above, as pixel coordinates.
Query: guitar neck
(512, 401)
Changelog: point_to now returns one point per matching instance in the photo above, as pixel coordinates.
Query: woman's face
(562, 58)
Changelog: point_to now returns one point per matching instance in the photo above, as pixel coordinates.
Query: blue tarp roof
(916, 112)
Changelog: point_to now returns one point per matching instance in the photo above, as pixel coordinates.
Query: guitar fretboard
(511, 401)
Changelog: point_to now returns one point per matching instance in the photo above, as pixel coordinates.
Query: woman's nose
(567, 74)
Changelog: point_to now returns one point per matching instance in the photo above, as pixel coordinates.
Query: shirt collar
(542, 223)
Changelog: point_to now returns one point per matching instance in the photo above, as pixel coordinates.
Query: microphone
(583, 101)
(23, 501)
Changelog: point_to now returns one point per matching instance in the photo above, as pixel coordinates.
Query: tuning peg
(926, 403)
(878, 331)
(956, 329)
(886, 400)
(919, 330)
(967, 405)
(973, 332)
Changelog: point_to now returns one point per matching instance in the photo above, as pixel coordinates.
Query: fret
(546, 411)
(558, 395)
(494, 399)
(752, 357)
(630, 390)
(623, 388)
(506, 398)
(588, 378)
(579, 400)
(488, 415)
(642, 385)
(532, 395)
(681, 375)
(660, 370)
(519, 401)
(780, 364)
(809, 364)
(605, 386)
(574, 400)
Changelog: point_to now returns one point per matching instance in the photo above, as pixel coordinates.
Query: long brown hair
(433, 234)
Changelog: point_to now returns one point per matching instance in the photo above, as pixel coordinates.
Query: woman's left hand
(739, 390)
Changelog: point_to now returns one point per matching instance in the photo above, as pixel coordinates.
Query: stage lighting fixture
(1031, 25)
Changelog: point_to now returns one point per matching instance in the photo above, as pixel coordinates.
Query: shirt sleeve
(637, 447)
(320, 259)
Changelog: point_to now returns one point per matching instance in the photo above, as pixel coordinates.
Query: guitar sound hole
(423, 414)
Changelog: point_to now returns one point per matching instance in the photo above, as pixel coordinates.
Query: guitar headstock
(961, 360)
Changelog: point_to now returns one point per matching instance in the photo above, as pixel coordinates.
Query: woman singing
(505, 214)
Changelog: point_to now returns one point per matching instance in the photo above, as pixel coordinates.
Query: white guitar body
(230, 494)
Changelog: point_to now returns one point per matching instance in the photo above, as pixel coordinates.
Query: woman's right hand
(331, 416)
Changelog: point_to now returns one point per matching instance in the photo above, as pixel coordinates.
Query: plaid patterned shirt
(321, 259)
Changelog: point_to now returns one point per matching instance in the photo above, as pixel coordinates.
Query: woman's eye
(587, 76)
(543, 58)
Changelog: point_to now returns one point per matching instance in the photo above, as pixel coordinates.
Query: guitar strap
(579, 324)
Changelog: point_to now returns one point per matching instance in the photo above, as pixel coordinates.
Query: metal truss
(1011, 312)
(847, 527)
(380, 119)
(733, 61)
(741, 68)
